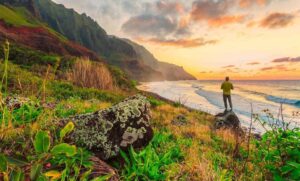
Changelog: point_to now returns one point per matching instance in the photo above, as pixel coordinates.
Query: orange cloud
(248, 3)
(253, 63)
(277, 20)
(185, 43)
(224, 20)
(229, 66)
(277, 68)
(215, 13)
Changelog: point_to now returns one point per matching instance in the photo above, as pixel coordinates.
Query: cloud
(184, 43)
(267, 68)
(215, 13)
(149, 25)
(249, 3)
(163, 18)
(229, 66)
(203, 10)
(277, 20)
(224, 20)
(170, 7)
(286, 59)
(277, 67)
(253, 63)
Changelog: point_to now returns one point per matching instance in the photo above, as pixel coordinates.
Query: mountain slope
(34, 46)
(169, 71)
(85, 31)
(17, 25)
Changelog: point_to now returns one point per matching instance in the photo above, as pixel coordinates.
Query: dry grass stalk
(86, 73)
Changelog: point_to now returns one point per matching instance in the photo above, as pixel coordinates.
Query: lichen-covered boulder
(107, 131)
(227, 119)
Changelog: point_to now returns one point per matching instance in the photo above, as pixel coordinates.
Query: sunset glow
(245, 39)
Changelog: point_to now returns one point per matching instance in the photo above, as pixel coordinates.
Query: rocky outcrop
(107, 131)
(227, 119)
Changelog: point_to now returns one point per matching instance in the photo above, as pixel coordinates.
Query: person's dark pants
(225, 98)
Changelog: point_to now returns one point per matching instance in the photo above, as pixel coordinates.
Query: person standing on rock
(227, 86)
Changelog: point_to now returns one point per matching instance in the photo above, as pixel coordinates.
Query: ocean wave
(280, 100)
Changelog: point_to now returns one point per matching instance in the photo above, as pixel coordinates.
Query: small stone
(180, 120)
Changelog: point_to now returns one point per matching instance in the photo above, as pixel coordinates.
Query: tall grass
(5, 74)
(4, 109)
(86, 73)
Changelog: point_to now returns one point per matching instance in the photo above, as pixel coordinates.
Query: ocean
(256, 95)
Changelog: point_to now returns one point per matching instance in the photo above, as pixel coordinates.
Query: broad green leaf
(66, 130)
(42, 142)
(53, 174)
(3, 163)
(35, 171)
(64, 148)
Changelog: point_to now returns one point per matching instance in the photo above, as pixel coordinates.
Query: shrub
(89, 74)
(279, 149)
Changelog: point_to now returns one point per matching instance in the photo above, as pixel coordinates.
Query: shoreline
(168, 101)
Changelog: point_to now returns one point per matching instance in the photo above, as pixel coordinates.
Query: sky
(243, 39)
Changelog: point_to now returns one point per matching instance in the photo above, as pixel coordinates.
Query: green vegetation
(16, 16)
(46, 157)
(154, 162)
(279, 150)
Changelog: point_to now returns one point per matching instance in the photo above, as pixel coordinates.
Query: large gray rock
(107, 131)
(227, 119)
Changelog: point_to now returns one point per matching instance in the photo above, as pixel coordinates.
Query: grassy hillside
(26, 33)
(16, 16)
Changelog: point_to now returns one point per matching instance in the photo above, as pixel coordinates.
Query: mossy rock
(107, 131)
